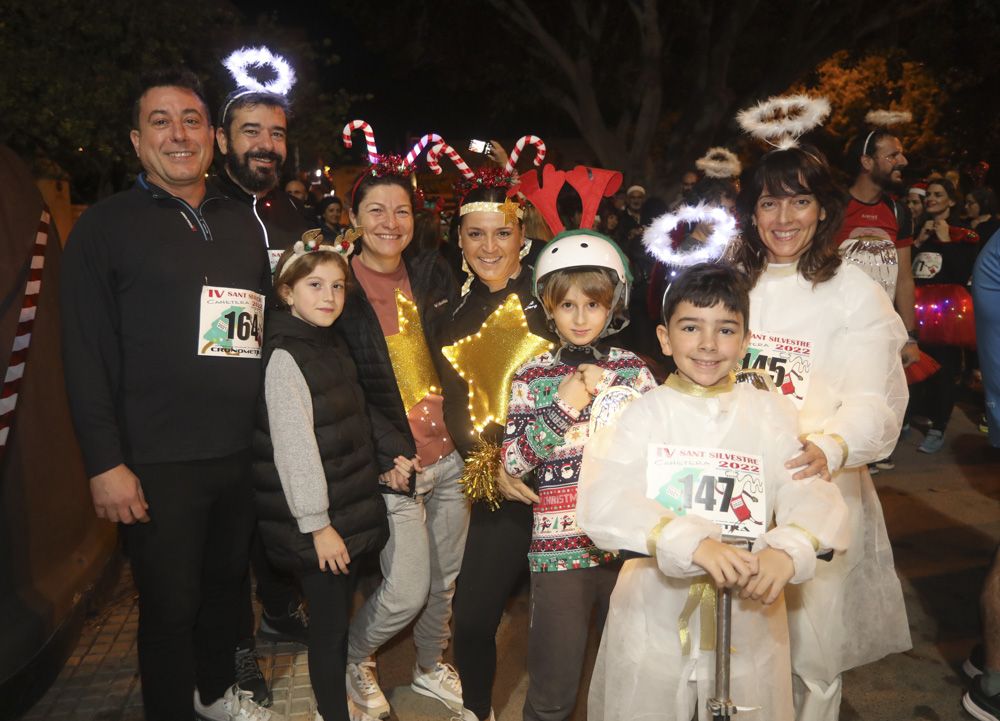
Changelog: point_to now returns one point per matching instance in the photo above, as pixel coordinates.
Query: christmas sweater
(547, 435)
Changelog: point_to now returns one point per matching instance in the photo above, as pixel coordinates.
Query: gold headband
(510, 209)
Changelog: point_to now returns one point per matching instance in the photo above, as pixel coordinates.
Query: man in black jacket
(252, 132)
(162, 310)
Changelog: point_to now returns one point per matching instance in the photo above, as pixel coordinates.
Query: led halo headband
(239, 63)
(659, 242)
(781, 121)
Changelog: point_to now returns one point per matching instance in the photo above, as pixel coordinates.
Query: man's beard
(886, 182)
(251, 180)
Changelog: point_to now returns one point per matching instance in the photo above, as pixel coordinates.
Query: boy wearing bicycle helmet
(557, 399)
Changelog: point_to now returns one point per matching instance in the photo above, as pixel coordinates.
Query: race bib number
(927, 265)
(787, 360)
(231, 323)
(273, 254)
(719, 485)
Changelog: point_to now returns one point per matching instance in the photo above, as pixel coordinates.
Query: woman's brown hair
(782, 173)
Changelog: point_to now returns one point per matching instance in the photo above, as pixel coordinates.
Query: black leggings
(496, 558)
(935, 396)
(329, 597)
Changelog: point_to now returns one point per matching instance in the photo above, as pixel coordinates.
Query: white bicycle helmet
(585, 249)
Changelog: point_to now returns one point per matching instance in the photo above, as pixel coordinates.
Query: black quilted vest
(343, 434)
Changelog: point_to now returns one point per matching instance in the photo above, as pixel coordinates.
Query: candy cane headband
(239, 63)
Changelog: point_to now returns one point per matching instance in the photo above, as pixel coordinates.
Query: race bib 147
(719, 485)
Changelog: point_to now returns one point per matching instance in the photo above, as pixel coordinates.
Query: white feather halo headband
(719, 163)
(659, 243)
(239, 62)
(888, 118)
(781, 121)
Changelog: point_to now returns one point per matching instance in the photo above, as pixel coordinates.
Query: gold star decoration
(410, 358)
(510, 210)
(488, 359)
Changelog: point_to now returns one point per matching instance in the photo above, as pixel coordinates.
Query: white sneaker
(363, 689)
(235, 705)
(354, 713)
(467, 715)
(441, 683)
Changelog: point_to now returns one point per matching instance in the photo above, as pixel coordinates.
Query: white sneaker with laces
(235, 705)
(441, 683)
(363, 689)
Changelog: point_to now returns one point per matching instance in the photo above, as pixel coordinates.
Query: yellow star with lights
(488, 359)
(410, 358)
(510, 210)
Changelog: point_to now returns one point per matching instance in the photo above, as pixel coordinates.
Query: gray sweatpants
(559, 622)
(420, 563)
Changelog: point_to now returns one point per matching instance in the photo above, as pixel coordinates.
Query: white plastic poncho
(644, 668)
(851, 393)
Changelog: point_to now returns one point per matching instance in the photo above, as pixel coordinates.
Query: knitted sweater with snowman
(547, 435)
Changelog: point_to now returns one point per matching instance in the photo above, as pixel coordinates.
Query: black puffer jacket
(343, 435)
(435, 293)
(475, 308)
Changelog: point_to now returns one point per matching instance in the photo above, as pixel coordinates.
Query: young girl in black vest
(318, 502)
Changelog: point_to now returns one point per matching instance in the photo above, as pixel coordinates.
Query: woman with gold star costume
(497, 326)
(400, 301)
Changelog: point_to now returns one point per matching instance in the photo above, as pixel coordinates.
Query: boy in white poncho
(688, 459)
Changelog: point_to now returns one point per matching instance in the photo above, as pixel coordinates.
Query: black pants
(276, 591)
(934, 397)
(189, 564)
(329, 597)
(496, 558)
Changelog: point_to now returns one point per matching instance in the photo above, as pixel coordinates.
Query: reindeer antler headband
(592, 184)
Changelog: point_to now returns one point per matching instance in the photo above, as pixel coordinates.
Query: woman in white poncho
(831, 340)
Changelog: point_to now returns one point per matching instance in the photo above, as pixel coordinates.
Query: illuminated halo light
(659, 243)
(888, 118)
(781, 121)
(243, 59)
(719, 163)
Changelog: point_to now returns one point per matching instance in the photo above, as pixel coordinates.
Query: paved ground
(943, 514)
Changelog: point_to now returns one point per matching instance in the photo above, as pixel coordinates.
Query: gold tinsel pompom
(479, 479)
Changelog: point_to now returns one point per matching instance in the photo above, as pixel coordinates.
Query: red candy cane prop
(369, 138)
(434, 153)
(416, 150)
(22, 336)
(519, 148)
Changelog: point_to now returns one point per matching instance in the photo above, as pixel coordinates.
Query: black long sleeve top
(133, 274)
